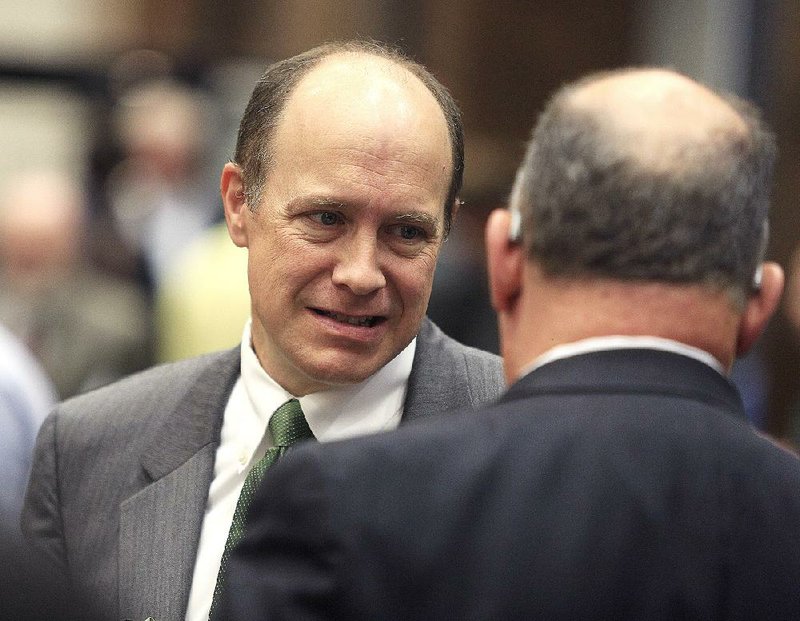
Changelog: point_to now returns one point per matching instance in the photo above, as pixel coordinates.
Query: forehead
(363, 105)
(362, 85)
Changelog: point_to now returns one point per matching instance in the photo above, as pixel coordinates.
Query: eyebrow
(424, 219)
(316, 201)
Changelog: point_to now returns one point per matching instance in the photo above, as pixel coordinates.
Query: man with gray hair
(617, 478)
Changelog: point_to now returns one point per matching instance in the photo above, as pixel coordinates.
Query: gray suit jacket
(121, 475)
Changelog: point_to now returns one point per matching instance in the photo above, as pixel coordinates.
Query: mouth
(362, 321)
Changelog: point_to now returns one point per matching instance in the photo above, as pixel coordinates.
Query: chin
(343, 373)
(345, 377)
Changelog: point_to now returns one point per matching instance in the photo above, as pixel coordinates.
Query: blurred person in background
(343, 187)
(26, 397)
(31, 589)
(202, 301)
(85, 328)
(159, 195)
(618, 477)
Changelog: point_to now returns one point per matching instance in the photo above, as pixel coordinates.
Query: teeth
(353, 321)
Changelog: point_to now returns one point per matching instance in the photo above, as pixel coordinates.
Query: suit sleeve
(284, 568)
(765, 540)
(41, 512)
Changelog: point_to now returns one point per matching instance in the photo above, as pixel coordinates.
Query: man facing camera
(617, 478)
(343, 187)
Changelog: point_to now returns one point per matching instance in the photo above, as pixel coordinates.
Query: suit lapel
(440, 380)
(159, 528)
(433, 375)
(160, 524)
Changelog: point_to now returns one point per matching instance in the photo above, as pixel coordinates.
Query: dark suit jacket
(613, 485)
(121, 474)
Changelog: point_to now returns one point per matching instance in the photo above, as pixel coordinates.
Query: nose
(358, 268)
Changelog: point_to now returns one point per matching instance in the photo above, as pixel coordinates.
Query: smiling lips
(364, 321)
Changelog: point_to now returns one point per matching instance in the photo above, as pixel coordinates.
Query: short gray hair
(589, 208)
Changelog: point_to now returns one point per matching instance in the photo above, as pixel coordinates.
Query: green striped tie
(287, 426)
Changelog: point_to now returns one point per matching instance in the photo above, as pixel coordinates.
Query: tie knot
(288, 424)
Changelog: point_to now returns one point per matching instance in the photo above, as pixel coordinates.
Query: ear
(505, 260)
(231, 187)
(760, 307)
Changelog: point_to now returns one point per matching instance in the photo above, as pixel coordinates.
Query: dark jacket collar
(630, 371)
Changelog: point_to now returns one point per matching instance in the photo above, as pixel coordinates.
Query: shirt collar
(605, 343)
(376, 404)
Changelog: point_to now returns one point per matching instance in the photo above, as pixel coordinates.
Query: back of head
(645, 175)
(254, 150)
(161, 123)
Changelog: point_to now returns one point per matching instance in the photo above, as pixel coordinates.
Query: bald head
(655, 116)
(644, 174)
(385, 78)
(656, 98)
(350, 90)
(643, 199)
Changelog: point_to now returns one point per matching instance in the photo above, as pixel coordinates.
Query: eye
(327, 218)
(409, 232)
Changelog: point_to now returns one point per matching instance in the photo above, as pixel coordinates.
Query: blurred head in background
(42, 224)
(85, 327)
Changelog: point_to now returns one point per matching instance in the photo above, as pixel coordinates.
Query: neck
(554, 311)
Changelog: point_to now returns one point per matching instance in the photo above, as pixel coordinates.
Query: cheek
(289, 276)
(414, 282)
(269, 273)
(272, 273)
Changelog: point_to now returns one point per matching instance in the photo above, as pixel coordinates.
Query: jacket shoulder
(448, 375)
(432, 342)
(159, 388)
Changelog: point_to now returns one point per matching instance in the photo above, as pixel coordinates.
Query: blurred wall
(778, 76)
(42, 127)
(62, 32)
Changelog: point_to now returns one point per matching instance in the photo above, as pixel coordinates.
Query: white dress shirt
(373, 405)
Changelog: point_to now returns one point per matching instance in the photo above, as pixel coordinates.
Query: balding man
(343, 187)
(617, 478)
